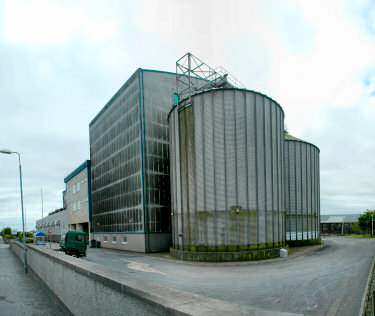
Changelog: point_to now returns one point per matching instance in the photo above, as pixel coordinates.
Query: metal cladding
(301, 190)
(226, 150)
(130, 163)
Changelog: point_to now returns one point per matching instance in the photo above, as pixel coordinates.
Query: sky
(61, 62)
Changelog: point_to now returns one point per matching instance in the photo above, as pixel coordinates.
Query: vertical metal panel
(251, 151)
(199, 172)
(268, 175)
(209, 175)
(314, 191)
(183, 177)
(274, 170)
(250, 168)
(219, 154)
(178, 194)
(241, 145)
(230, 148)
(172, 146)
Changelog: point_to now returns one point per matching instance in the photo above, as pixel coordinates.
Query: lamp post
(7, 151)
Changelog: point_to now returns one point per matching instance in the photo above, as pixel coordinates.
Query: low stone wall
(86, 288)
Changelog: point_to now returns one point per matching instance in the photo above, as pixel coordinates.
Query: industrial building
(130, 165)
(53, 224)
(77, 198)
(193, 162)
(301, 192)
(339, 224)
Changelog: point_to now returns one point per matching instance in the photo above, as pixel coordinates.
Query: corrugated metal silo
(226, 153)
(301, 191)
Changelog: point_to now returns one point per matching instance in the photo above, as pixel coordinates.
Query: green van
(74, 243)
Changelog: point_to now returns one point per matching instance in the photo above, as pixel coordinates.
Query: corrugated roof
(290, 137)
(346, 218)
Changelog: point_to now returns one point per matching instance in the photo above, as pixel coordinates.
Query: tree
(365, 221)
(354, 227)
(6, 231)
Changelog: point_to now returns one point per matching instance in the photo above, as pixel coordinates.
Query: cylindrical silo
(226, 156)
(301, 192)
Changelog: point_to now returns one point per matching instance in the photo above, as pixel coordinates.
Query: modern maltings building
(130, 165)
(225, 198)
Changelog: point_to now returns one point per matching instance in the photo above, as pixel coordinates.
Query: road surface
(329, 281)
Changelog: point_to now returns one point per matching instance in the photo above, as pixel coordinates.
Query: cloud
(51, 22)
(63, 60)
(347, 147)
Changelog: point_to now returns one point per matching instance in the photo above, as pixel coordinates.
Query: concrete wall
(86, 288)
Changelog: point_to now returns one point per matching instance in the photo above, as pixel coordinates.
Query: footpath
(20, 294)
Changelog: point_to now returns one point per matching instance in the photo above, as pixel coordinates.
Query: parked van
(74, 243)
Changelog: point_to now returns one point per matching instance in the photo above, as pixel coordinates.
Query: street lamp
(7, 151)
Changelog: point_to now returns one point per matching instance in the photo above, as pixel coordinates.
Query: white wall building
(78, 198)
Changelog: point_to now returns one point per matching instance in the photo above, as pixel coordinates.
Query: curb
(365, 297)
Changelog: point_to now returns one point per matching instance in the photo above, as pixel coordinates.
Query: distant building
(55, 222)
(338, 224)
(130, 165)
(77, 198)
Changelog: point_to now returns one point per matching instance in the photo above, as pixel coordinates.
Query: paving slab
(20, 294)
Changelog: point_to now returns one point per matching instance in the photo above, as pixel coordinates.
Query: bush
(8, 236)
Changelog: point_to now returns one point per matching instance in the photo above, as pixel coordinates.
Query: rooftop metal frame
(193, 76)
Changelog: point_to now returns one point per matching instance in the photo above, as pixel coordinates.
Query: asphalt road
(329, 281)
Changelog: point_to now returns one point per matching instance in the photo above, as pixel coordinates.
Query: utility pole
(372, 223)
(41, 196)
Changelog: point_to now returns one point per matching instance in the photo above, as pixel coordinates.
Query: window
(114, 239)
(74, 188)
(78, 205)
(80, 237)
(78, 185)
(124, 240)
(105, 238)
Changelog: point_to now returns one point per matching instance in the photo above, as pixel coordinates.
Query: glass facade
(116, 163)
(129, 157)
(158, 93)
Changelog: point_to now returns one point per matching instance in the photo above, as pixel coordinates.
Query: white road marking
(144, 267)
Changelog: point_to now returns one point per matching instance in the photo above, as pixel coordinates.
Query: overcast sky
(61, 61)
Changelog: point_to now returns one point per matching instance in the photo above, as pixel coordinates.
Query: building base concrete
(227, 256)
(303, 243)
(153, 242)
